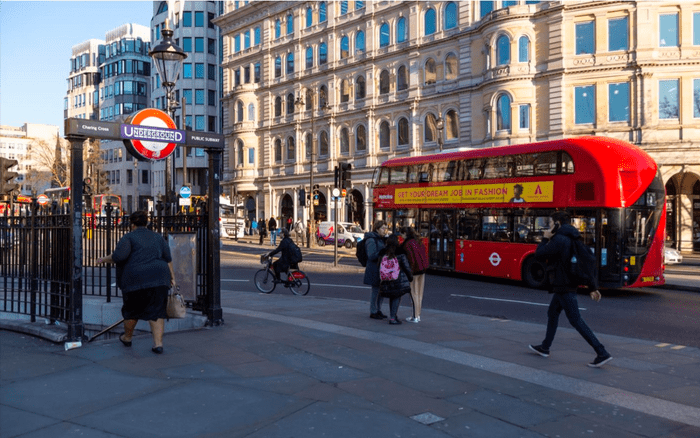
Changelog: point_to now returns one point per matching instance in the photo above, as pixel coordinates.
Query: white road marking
(508, 301)
(235, 280)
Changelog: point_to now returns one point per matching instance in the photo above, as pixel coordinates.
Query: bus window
(475, 169)
(495, 228)
(567, 164)
(424, 223)
(404, 218)
(383, 178)
(546, 163)
(398, 175)
(452, 171)
(498, 167)
(468, 224)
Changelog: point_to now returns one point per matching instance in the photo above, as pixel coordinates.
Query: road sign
(185, 192)
(150, 134)
(42, 199)
(336, 192)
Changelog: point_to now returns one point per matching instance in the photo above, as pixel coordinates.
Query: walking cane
(106, 330)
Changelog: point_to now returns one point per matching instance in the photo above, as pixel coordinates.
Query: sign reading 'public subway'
(150, 134)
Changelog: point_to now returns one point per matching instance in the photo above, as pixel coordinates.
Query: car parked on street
(672, 256)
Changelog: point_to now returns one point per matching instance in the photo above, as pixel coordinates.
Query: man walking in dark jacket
(556, 249)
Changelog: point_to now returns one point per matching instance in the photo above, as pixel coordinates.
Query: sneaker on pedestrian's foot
(600, 360)
(412, 319)
(539, 350)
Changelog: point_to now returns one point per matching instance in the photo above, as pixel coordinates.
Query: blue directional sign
(185, 192)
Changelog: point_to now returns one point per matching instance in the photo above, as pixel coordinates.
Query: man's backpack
(361, 252)
(583, 269)
(295, 254)
(389, 269)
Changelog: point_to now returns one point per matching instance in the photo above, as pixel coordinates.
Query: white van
(231, 227)
(357, 232)
(345, 238)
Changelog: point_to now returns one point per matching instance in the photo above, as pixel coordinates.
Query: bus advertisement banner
(539, 191)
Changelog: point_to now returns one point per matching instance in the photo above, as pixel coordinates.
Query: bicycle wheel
(265, 281)
(300, 286)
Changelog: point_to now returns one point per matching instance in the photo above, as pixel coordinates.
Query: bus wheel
(534, 273)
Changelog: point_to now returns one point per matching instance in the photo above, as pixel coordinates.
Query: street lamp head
(168, 57)
(299, 102)
(440, 123)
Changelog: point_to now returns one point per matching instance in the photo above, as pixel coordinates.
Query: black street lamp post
(440, 126)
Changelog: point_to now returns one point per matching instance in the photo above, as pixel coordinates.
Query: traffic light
(302, 198)
(345, 174)
(87, 187)
(7, 185)
(103, 181)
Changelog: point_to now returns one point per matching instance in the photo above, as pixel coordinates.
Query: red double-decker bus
(483, 211)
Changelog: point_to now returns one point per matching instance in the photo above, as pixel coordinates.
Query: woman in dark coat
(402, 285)
(144, 274)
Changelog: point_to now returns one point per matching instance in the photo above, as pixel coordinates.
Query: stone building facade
(362, 82)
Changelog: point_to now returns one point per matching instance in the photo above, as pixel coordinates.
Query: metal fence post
(74, 318)
(213, 308)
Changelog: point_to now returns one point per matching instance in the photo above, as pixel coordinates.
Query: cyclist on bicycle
(284, 262)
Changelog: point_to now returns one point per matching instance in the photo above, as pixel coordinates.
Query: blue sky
(36, 38)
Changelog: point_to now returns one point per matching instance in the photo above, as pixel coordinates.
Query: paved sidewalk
(287, 366)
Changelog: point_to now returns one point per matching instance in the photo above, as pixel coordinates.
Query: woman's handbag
(176, 305)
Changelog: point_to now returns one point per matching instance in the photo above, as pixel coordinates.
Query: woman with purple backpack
(395, 276)
(417, 257)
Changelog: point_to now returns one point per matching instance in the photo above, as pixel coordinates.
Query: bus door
(442, 239)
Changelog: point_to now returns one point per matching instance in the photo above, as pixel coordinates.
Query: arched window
(344, 91)
(430, 71)
(401, 31)
(309, 101)
(360, 89)
(322, 96)
(239, 153)
(451, 125)
(361, 138)
(278, 150)
(290, 24)
(309, 57)
(451, 66)
(344, 47)
(256, 36)
(359, 43)
(278, 67)
(524, 49)
(308, 143)
(503, 50)
(429, 22)
(323, 144)
(290, 63)
(503, 113)
(251, 112)
(290, 103)
(278, 106)
(291, 149)
(450, 16)
(239, 111)
(278, 28)
(402, 131)
(322, 12)
(384, 35)
(430, 128)
(384, 135)
(344, 141)
(322, 54)
(402, 78)
(309, 17)
(384, 82)
(343, 7)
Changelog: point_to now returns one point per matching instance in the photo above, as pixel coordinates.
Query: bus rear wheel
(534, 273)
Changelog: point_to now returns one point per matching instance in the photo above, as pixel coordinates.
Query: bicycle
(266, 280)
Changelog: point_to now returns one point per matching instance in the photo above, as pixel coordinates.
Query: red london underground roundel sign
(151, 134)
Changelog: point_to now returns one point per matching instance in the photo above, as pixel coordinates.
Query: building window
(524, 114)
(256, 36)
(485, 8)
(696, 98)
(278, 150)
(402, 78)
(199, 19)
(309, 57)
(290, 103)
(503, 50)
(401, 32)
(451, 125)
(619, 102)
(668, 99)
(344, 47)
(323, 144)
(344, 91)
(291, 149)
(309, 17)
(199, 70)
(668, 30)
(359, 43)
(585, 38)
(246, 40)
(322, 96)
(402, 131)
(251, 156)
(696, 29)
(199, 97)
(278, 106)
(524, 49)
(322, 12)
(360, 89)
(322, 54)
(430, 71)
(187, 19)
(199, 123)
(239, 153)
(430, 128)
(290, 63)
(211, 72)
(309, 100)
(617, 34)
(361, 138)
(503, 113)
(290, 24)
(308, 140)
(384, 35)
(211, 46)
(278, 28)
(212, 97)
(199, 45)
(257, 72)
(384, 82)
(450, 16)
(187, 70)
(251, 112)
(584, 104)
(187, 44)
(344, 141)
(429, 22)
(239, 111)
(278, 67)
(384, 135)
(187, 94)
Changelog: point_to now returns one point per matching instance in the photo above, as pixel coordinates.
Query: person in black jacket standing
(556, 249)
